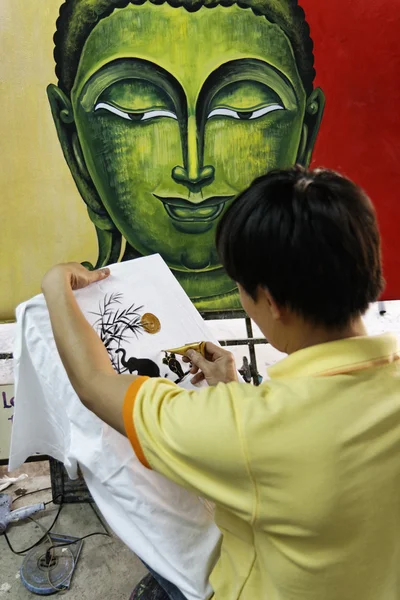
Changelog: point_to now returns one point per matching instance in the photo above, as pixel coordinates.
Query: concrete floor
(106, 570)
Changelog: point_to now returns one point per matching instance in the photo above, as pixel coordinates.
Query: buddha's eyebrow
(249, 69)
(130, 68)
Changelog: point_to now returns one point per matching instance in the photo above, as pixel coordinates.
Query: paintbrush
(197, 346)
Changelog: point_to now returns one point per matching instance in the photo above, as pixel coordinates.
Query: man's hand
(217, 367)
(74, 275)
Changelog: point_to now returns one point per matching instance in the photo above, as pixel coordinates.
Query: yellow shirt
(304, 470)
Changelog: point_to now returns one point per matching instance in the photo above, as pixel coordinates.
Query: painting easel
(250, 341)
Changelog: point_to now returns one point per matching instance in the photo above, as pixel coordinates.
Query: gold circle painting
(150, 323)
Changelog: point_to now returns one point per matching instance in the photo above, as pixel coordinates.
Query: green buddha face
(175, 114)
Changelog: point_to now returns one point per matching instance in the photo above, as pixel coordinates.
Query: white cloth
(7, 334)
(166, 526)
(5, 481)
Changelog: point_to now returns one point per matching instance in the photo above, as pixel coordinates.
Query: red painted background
(357, 58)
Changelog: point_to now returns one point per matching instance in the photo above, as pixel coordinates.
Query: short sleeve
(192, 437)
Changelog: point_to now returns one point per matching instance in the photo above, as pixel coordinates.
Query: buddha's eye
(244, 115)
(136, 116)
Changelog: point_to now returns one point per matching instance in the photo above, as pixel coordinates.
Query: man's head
(303, 243)
(166, 112)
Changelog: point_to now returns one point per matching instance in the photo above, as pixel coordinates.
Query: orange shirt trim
(129, 423)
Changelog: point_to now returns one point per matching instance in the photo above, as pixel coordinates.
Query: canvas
(163, 112)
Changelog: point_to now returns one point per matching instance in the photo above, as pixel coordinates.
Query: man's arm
(83, 354)
(85, 358)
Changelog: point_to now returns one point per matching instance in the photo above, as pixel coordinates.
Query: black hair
(311, 238)
(79, 17)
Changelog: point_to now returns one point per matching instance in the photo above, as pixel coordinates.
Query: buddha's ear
(64, 121)
(109, 239)
(312, 121)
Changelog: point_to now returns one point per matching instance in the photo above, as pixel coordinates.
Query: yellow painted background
(42, 217)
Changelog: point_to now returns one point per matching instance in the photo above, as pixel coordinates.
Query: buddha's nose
(193, 174)
(194, 180)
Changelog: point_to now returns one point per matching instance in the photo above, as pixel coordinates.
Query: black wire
(44, 536)
(107, 534)
(48, 551)
(30, 493)
(53, 500)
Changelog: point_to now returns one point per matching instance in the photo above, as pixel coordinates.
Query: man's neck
(305, 335)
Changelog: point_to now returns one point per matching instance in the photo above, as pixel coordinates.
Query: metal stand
(65, 490)
(250, 341)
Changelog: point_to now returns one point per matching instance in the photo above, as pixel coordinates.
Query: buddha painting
(165, 112)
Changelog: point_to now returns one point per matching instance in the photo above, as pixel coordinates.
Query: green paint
(172, 114)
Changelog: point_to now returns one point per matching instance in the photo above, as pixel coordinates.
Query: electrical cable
(30, 493)
(49, 554)
(45, 531)
(23, 552)
(44, 556)
(105, 533)
(68, 576)
(48, 551)
(52, 500)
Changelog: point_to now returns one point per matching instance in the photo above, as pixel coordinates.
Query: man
(148, 128)
(303, 469)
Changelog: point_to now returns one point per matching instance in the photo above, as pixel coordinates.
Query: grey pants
(170, 589)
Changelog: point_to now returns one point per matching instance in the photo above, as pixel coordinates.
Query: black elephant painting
(143, 366)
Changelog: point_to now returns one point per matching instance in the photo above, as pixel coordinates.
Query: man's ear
(312, 121)
(274, 308)
(109, 239)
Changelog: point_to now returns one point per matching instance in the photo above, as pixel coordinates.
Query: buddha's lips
(183, 210)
